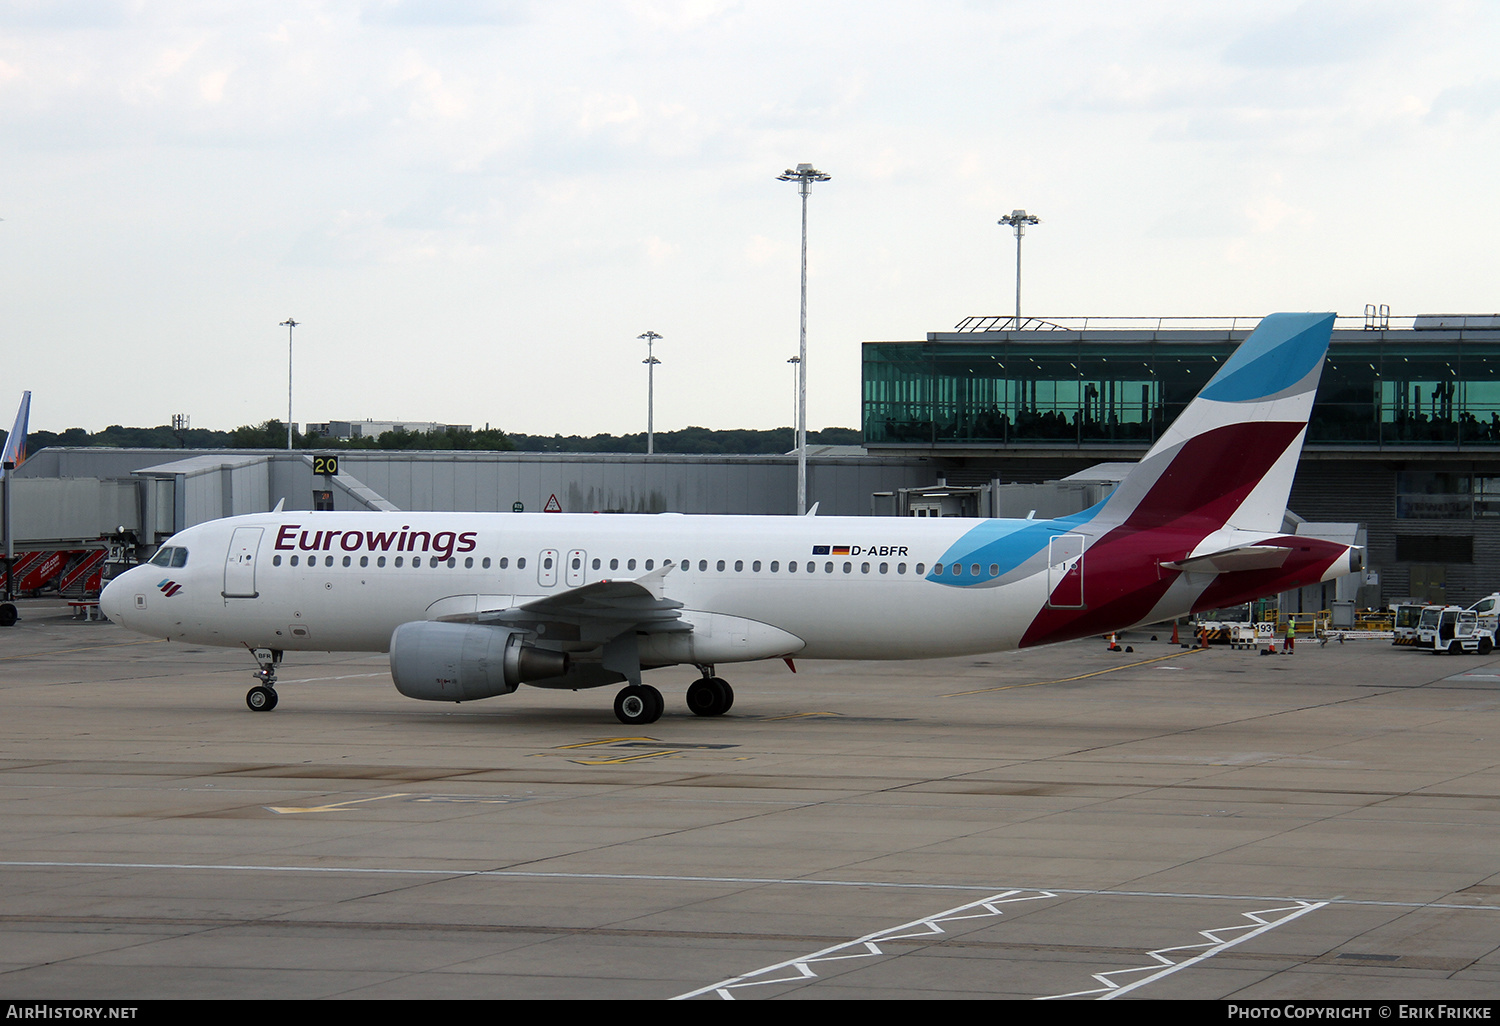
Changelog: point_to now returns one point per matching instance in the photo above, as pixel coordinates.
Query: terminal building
(1404, 436)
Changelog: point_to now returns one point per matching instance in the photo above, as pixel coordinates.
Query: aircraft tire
(710, 696)
(703, 698)
(260, 699)
(722, 686)
(8, 615)
(638, 704)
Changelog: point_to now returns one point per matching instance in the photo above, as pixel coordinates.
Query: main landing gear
(262, 697)
(710, 696)
(639, 704)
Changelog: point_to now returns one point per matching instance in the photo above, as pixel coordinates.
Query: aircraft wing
(1241, 557)
(591, 614)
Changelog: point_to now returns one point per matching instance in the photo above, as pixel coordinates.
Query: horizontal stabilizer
(1243, 557)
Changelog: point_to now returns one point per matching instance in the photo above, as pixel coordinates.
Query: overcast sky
(474, 207)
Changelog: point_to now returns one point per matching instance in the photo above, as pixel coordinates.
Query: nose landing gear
(262, 697)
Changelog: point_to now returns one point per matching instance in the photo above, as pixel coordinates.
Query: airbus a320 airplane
(472, 605)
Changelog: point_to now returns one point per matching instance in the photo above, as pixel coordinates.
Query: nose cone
(114, 600)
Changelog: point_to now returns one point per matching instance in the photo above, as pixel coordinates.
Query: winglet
(653, 581)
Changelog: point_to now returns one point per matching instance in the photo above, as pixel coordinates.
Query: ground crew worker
(1291, 634)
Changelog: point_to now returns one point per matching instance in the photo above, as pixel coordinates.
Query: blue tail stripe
(1282, 351)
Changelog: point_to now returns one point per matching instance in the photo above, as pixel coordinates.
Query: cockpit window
(170, 556)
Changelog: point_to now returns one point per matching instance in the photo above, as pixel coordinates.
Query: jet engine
(455, 662)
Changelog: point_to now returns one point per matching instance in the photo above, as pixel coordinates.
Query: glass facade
(1391, 388)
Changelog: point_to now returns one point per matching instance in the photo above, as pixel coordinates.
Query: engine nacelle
(456, 662)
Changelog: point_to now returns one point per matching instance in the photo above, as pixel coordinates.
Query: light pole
(804, 176)
(650, 361)
(289, 324)
(1018, 219)
(795, 362)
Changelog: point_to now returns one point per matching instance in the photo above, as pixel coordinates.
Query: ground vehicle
(1407, 617)
(1453, 629)
(1488, 609)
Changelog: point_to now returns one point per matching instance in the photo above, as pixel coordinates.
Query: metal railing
(1130, 323)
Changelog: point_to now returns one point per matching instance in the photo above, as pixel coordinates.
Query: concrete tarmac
(1066, 821)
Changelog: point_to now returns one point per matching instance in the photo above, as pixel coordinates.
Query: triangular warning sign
(553, 506)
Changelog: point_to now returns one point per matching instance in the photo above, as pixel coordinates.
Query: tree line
(272, 435)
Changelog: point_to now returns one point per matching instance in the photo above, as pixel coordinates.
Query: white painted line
(531, 874)
(346, 676)
(1160, 957)
(795, 970)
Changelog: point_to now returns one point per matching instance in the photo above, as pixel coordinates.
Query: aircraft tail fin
(15, 443)
(1228, 460)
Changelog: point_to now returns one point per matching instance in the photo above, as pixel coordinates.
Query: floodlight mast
(804, 176)
(1018, 219)
(289, 324)
(650, 361)
(796, 405)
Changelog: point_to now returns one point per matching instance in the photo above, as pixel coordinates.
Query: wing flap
(589, 615)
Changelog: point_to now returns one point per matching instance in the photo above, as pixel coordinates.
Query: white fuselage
(872, 603)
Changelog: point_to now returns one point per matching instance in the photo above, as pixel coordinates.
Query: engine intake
(455, 662)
